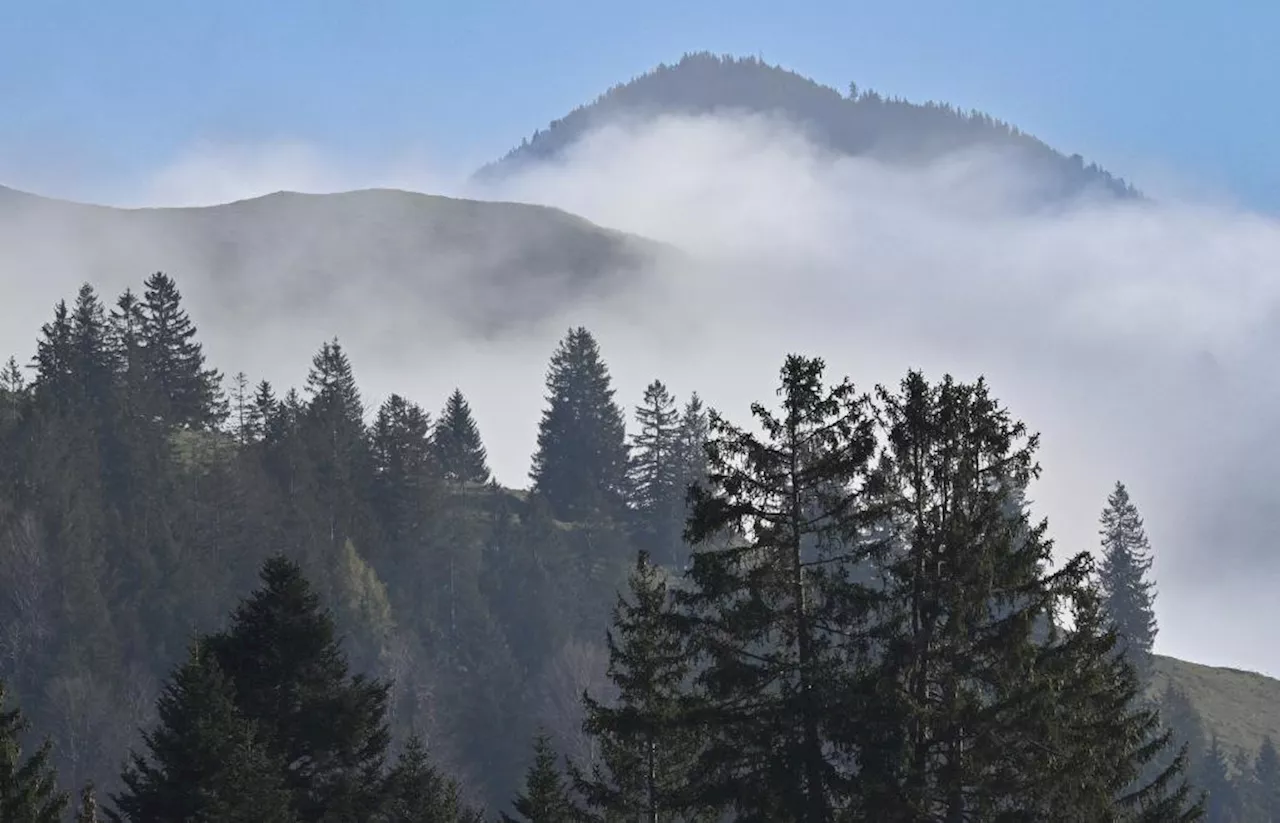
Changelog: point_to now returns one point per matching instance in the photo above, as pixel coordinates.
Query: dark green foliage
(185, 392)
(1097, 727)
(545, 798)
(87, 810)
(581, 461)
(646, 749)
(28, 786)
(1265, 800)
(1129, 597)
(962, 689)
(458, 450)
(204, 760)
(770, 610)
(290, 677)
(1223, 802)
(416, 792)
(708, 84)
(658, 475)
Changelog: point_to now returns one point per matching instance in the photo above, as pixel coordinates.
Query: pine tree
(416, 791)
(1097, 729)
(946, 736)
(185, 391)
(657, 474)
(28, 786)
(1129, 595)
(242, 418)
(204, 760)
(1223, 801)
(54, 362)
(334, 433)
(646, 748)
(772, 615)
(458, 450)
(291, 678)
(545, 798)
(403, 466)
(1266, 780)
(581, 460)
(92, 361)
(87, 812)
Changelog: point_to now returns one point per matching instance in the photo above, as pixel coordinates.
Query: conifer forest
(227, 601)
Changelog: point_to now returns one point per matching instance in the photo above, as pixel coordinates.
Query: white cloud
(1136, 338)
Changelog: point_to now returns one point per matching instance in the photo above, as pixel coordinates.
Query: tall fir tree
(204, 760)
(965, 592)
(291, 678)
(1222, 803)
(647, 749)
(416, 792)
(55, 362)
(334, 433)
(772, 615)
(1091, 720)
(657, 474)
(1129, 596)
(186, 392)
(28, 786)
(581, 460)
(87, 810)
(545, 798)
(1266, 781)
(459, 452)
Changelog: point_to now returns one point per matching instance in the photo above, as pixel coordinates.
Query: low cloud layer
(1136, 337)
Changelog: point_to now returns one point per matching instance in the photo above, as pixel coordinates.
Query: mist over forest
(458, 407)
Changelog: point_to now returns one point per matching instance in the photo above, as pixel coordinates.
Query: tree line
(842, 612)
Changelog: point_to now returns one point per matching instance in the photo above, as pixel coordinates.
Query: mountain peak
(856, 123)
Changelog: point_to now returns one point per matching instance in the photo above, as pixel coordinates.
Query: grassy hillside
(853, 123)
(383, 260)
(1240, 707)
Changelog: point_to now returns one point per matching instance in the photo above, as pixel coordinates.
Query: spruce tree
(333, 431)
(186, 393)
(204, 760)
(55, 362)
(403, 465)
(769, 609)
(964, 596)
(581, 460)
(459, 452)
(1129, 595)
(646, 748)
(1093, 724)
(657, 474)
(291, 678)
(545, 798)
(28, 786)
(1266, 780)
(416, 792)
(1222, 803)
(87, 811)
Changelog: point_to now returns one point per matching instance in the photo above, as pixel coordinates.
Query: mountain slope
(865, 125)
(1240, 707)
(359, 257)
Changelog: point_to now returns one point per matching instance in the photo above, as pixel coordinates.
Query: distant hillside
(1240, 707)
(865, 124)
(363, 255)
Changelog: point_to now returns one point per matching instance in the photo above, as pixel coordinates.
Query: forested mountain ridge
(859, 123)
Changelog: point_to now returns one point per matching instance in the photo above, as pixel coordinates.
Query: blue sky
(94, 95)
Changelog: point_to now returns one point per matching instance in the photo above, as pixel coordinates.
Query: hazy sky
(96, 94)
